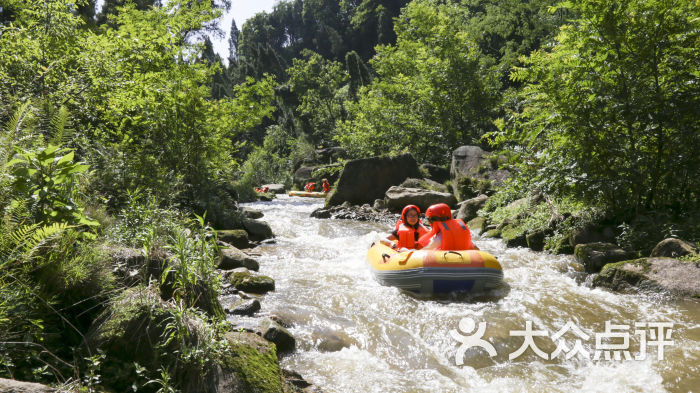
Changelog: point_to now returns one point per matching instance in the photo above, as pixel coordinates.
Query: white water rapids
(354, 335)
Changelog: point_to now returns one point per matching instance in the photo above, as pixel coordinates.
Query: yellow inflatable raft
(435, 271)
(309, 194)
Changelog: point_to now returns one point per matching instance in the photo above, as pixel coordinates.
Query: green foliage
(610, 113)
(316, 82)
(433, 92)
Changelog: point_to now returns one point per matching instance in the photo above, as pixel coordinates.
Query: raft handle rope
(385, 257)
(453, 252)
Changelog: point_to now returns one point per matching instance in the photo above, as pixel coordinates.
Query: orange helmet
(439, 211)
(406, 209)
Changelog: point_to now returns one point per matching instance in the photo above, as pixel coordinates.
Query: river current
(354, 335)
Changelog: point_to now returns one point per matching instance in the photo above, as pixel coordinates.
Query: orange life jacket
(310, 186)
(326, 187)
(455, 235)
(408, 236)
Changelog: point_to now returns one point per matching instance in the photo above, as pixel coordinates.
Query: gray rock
(468, 208)
(251, 213)
(425, 184)
(235, 237)
(355, 213)
(12, 386)
(364, 180)
(257, 230)
(673, 248)
(652, 274)
(232, 258)
(281, 337)
(593, 256)
(276, 188)
(398, 197)
(466, 161)
(379, 204)
(302, 176)
(245, 307)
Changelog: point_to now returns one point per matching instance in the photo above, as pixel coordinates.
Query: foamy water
(354, 335)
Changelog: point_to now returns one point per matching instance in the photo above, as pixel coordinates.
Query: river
(354, 335)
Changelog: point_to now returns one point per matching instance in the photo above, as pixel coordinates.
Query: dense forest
(121, 125)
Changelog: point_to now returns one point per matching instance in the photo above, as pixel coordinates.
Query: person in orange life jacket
(310, 186)
(408, 231)
(326, 185)
(447, 233)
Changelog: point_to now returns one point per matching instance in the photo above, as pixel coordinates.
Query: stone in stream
(232, 258)
(593, 256)
(235, 237)
(275, 333)
(12, 386)
(397, 198)
(467, 209)
(245, 307)
(673, 248)
(653, 274)
(249, 282)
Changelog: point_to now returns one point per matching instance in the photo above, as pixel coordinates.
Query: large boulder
(466, 161)
(12, 386)
(654, 274)
(398, 197)
(436, 173)
(257, 230)
(593, 256)
(232, 258)
(469, 208)
(364, 180)
(673, 248)
(425, 184)
(302, 176)
(473, 172)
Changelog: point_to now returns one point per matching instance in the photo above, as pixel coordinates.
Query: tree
(433, 92)
(316, 82)
(610, 113)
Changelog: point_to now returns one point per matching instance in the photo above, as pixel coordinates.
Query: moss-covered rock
(477, 224)
(535, 240)
(254, 361)
(493, 233)
(559, 245)
(652, 274)
(514, 236)
(593, 256)
(243, 280)
(139, 327)
(235, 237)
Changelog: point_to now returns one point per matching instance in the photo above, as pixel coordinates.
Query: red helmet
(406, 209)
(439, 211)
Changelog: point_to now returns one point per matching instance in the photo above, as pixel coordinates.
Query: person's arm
(390, 241)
